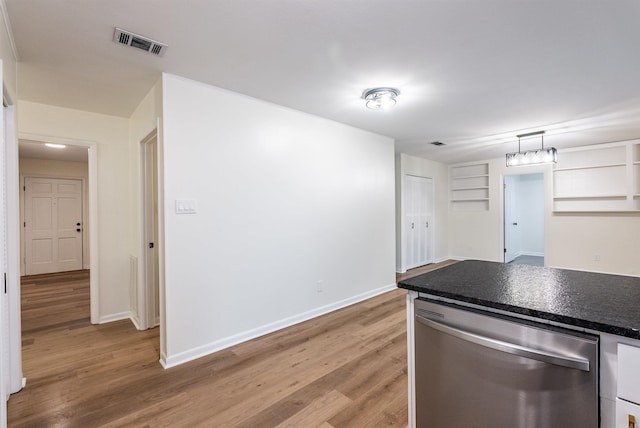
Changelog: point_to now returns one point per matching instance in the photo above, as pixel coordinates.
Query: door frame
(545, 171)
(92, 161)
(430, 236)
(146, 292)
(85, 220)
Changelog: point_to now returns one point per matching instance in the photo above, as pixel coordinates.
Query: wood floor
(344, 369)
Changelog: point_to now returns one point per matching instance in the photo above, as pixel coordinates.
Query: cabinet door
(627, 412)
(629, 373)
(418, 206)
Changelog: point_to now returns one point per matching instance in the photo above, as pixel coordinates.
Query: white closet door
(418, 220)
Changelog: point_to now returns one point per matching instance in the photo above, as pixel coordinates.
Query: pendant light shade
(532, 157)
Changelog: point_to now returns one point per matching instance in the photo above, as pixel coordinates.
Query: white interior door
(53, 225)
(150, 296)
(418, 221)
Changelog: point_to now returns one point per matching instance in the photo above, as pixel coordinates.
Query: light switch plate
(186, 206)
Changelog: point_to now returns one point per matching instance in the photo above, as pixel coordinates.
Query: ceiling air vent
(124, 37)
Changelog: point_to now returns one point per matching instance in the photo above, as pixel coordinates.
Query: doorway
(524, 219)
(76, 161)
(148, 292)
(418, 224)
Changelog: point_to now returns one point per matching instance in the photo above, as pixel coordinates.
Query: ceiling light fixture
(55, 146)
(380, 98)
(532, 157)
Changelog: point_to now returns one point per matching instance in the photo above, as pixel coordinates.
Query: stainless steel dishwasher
(479, 369)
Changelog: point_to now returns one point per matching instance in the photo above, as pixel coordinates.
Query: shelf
(595, 211)
(611, 165)
(590, 197)
(470, 188)
(462, 177)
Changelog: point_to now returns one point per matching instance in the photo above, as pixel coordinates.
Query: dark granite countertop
(601, 302)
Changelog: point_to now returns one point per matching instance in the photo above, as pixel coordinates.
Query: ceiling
(472, 74)
(37, 150)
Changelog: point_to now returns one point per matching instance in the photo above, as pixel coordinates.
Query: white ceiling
(473, 74)
(37, 150)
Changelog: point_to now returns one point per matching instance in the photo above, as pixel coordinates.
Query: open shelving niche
(469, 187)
(602, 178)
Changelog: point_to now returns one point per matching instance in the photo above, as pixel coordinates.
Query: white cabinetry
(600, 178)
(469, 185)
(628, 387)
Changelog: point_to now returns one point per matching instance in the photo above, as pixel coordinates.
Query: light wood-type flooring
(344, 369)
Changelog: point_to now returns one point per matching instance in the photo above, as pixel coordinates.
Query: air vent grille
(124, 37)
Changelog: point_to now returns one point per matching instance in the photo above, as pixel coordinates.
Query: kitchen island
(601, 304)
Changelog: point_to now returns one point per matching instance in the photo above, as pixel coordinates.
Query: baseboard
(218, 345)
(440, 260)
(528, 253)
(115, 317)
(135, 322)
(163, 360)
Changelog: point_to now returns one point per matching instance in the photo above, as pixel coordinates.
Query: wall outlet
(320, 286)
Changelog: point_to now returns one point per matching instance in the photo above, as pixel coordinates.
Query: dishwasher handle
(510, 348)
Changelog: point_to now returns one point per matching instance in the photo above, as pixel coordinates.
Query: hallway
(344, 369)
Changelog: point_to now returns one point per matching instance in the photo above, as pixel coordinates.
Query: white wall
(531, 213)
(7, 54)
(114, 212)
(60, 169)
(284, 200)
(412, 165)
(572, 241)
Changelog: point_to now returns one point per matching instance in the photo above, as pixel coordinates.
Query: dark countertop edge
(570, 321)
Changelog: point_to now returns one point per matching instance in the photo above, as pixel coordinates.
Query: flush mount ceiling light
(55, 146)
(380, 98)
(532, 157)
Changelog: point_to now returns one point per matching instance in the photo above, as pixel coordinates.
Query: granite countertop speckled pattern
(601, 302)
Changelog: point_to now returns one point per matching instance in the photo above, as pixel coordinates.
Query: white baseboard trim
(440, 260)
(115, 317)
(529, 253)
(218, 345)
(163, 360)
(135, 322)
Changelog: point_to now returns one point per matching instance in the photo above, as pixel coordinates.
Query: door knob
(77, 224)
(515, 224)
(78, 230)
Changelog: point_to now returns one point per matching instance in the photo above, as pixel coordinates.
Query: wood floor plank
(317, 411)
(344, 369)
